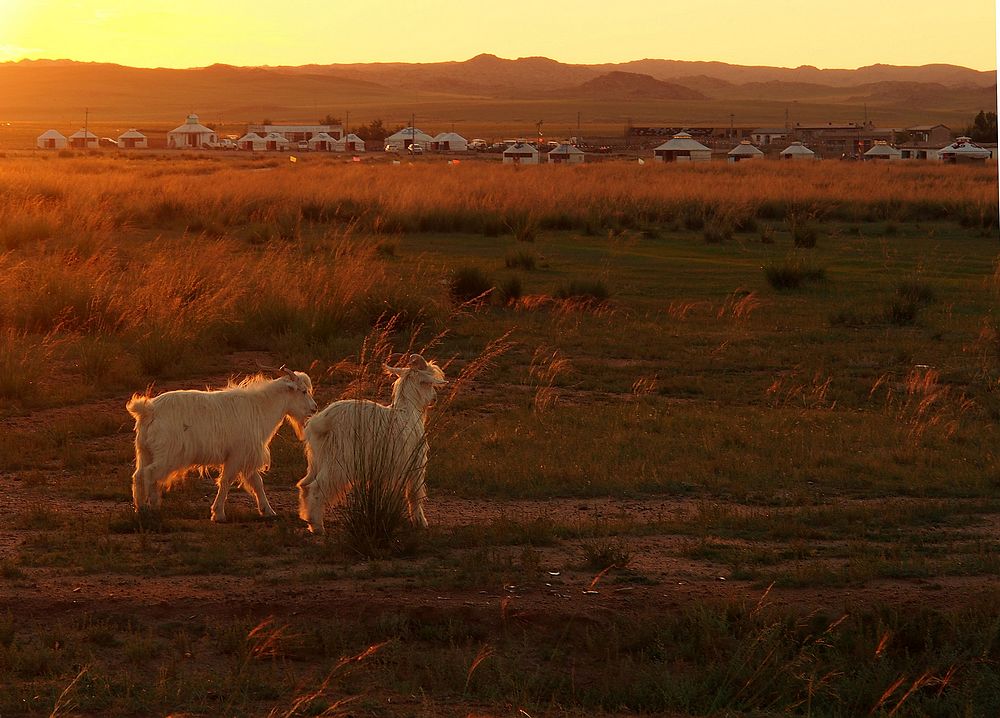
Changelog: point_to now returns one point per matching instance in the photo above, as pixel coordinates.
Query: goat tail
(141, 407)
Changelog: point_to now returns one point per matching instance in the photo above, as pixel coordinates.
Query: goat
(353, 439)
(229, 428)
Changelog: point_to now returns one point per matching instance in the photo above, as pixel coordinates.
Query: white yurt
(322, 142)
(520, 153)
(191, 135)
(250, 141)
(745, 150)
(682, 148)
(449, 142)
(964, 150)
(132, 139)
(882, 151)
(566, 154)
(350, 143)
(83, 139)
(797, 151)
(274, 141)
(51, 140)
(409, 136)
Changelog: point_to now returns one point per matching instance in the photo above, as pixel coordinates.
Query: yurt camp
(449, 142)
(132, 140)
(682, 148)
(83, 139)
(274, 142)
(964, 151)
(566, 154)
(251, 141)
(520, 153)
(745, 150)
(322, 142)
(191, 135)
(350, 143)
(797, 151)
(51, 140)
(409, 136)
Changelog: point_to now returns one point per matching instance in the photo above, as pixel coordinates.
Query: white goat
(353, 439)
(229, 428)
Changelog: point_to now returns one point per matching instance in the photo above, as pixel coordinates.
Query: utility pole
(732, 132)
(86, 125)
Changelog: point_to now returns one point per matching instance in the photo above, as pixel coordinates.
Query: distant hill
(631, 85)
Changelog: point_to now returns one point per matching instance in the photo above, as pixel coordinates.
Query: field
(722, 440)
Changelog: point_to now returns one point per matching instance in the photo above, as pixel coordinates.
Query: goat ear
(398, 371)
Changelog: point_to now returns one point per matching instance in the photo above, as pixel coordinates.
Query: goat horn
(261, 367)
(418, 362)
(288, 372)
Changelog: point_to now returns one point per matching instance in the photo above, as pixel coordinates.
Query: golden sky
(161, 33)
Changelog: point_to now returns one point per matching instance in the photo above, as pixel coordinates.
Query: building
(51, 140)
(322, 142)
(682, 148)
(298, 133)
(744, 151)
(250, 141)
(767, 135)
(274, 142)
(83, 139)
(842, 140)
(964, 151)
(929, 135)
(918, 152)
(882, 152)
(409, 136)
(566, 154)
(520, 153)
(797, 151)
(350, 143)
(191, 135)
(132, 140)
(449, 142)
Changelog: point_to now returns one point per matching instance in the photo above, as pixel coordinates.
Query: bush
(915, 291)
(792, 274)
(520, 259)
(469, 284)
(590, 290)
(605, 553)
(804, 235)
(510, 290)
(902, 312)
(717, 233)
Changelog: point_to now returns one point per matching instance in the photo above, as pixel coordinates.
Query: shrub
(804, 235)
(792, 274)
(605, 553)
(469, 284)
(902, 312)
(915, 291)
(592, 290)
(510, 290)
(520, 259)
(717, 233)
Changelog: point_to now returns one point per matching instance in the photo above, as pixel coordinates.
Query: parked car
(392, 147)
(415, 149)
(303, 146)
(479, 145)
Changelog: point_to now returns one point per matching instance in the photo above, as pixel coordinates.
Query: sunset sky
(153, 33)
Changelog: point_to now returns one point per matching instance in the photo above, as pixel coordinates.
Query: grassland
(737, 456)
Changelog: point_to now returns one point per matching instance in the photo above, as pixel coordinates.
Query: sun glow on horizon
(157, 33)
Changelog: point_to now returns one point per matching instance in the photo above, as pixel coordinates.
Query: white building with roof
(51, 140)
(350, 143)
(682, 148)
(797, 151)
(882, 151)
(449, 142)
(191, 135)
(274, 142)
(297, 133)
(250, 141)
(767, 135)
(322, 142)
(83, 139)
(745, 150)
(566, 153)
(964, 151)
(409, 136)
(132, 139)
(520, 153)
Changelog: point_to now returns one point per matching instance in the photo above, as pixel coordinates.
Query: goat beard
(296, 427)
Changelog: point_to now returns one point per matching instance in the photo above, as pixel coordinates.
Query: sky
(786, 33)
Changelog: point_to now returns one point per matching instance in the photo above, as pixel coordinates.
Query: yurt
(274, 142)
(409, 136)
(797, 151)
(83, 139)
(566, 154)
(964, 151)
(350, 143)
(449, 142)
(682, 148)
(882, 151)
(250, 141)
(520, 154)
(51, 140)
(744, 151)
(191, 135)
(322, 142)
(132, 139)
